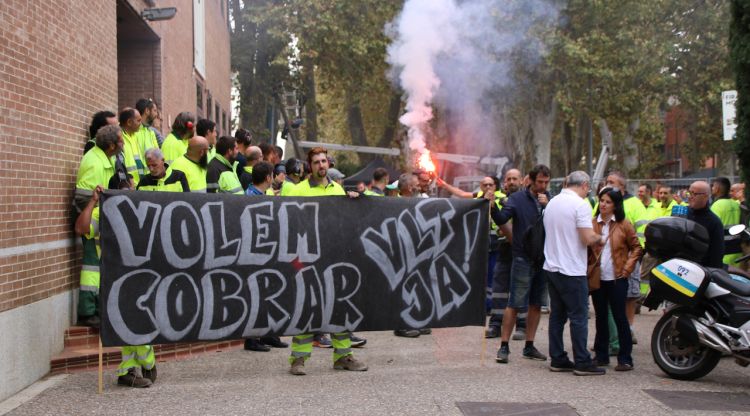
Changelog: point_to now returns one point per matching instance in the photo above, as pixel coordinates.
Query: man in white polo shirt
(569, 230)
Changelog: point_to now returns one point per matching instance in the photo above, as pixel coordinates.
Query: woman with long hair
(609, 268)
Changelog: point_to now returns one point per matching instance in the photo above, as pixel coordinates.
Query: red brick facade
(59, 64)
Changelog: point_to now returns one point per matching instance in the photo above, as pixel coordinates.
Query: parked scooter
(709, 316)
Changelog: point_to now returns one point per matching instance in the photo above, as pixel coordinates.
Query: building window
(224, 121)
(217, 113)
(199, 95)
(209, 106)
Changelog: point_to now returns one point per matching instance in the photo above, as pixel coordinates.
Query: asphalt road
(423, 376)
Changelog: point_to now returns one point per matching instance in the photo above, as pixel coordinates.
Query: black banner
(204, 267)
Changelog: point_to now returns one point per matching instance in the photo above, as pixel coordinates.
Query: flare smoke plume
(458, 56)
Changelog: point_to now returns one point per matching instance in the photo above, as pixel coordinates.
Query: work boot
(298, 367)
(131, 379)
(150, 374)
(349, 363)
(273, 341)
(254, 344)
(408, 333)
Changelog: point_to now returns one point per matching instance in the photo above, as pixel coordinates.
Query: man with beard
(193, 163)
(177, 141)
(220, 175)
(666, 201)
(149, 136)
(528, 284)
(319, 184)
(501, 274)
(207, 129)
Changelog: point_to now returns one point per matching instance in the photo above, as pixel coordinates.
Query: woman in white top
(609, 268)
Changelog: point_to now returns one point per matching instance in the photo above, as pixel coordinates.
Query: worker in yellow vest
(97, 169)
(220, 174)
(666, 201)
(728, 211)
(294, 169)
(207, 129)
(133, 151)
(99, 120)
(133, 357)
(176, 142)
(320, 185)
(162, 177)
(193, 163)
(149, 135)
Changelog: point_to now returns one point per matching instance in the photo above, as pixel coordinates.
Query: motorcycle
(709, 313)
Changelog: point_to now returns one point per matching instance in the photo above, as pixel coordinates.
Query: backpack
(533, 241)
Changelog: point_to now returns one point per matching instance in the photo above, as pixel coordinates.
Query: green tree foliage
(740, 52)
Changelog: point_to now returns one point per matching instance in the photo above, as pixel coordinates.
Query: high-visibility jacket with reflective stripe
(666, 211)
(221, 177)
(499, 196)
(196, 175)
(653, 210)
(173, 148)
(96, 169)
(305, 189)
(133, 155)
(173, 181)
(91, 255)
(147, 139)
(635, 212)
(728, 211)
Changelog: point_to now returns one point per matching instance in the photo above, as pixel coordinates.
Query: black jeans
(612, 294)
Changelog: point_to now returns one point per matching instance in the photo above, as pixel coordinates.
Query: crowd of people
(593, 245)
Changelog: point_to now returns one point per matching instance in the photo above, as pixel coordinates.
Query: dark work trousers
(501, 288)
(612, 294)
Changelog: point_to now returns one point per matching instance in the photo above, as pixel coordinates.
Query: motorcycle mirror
(736, 229)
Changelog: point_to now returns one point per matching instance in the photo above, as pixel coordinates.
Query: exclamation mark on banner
(471, 233)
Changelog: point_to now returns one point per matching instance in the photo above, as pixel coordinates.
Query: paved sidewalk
(423, 376)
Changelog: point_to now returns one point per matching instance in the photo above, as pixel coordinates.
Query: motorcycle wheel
(678, 358)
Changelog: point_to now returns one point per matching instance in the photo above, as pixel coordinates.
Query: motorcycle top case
(679, 281)
(670, 237)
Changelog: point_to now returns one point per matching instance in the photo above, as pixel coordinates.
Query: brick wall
(58, 66)
(137, 73)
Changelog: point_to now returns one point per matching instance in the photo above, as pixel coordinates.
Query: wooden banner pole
(101, 367)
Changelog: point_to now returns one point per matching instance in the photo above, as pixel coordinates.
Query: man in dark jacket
(528, 286)
(698, 197)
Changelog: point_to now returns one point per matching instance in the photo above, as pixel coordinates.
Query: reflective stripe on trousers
(136, 356)
(302, 346)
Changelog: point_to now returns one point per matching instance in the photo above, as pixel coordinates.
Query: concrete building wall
(52, 79)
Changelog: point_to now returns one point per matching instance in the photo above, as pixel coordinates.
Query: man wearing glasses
(698, 211)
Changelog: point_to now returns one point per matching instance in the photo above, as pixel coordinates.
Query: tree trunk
(391, 122)
(630, 148)
(311, 103)
(542, 126)
(356, 127)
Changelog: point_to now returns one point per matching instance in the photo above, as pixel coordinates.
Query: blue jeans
(501, 291)
(612, 294)
(528, 284)
(568, 300)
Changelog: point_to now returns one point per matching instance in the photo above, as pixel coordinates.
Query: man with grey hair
(569, 231)
(408, 185)
(161, 177)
